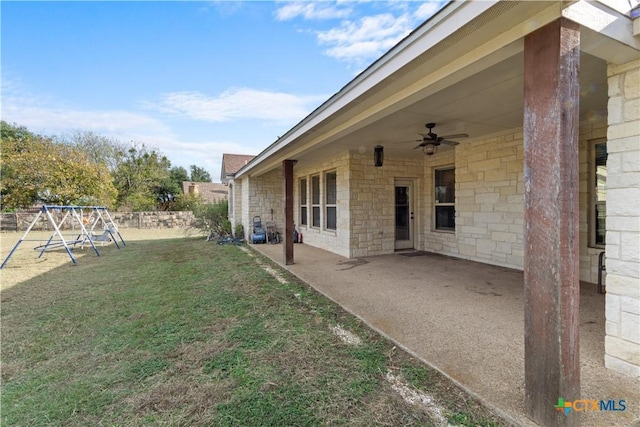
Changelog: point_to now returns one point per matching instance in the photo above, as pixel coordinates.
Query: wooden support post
(287, 174)
(551, 269)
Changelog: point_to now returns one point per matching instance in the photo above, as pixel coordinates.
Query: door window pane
(402, 213)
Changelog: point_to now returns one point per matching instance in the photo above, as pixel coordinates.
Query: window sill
(435, 230)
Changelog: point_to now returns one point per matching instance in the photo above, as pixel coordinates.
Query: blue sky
(190, 79)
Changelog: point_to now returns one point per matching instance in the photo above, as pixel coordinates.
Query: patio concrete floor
(464, 318)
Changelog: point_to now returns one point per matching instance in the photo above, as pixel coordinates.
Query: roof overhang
(461, 69)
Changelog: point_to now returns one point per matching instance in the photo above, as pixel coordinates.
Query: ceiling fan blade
(448, 142)
(457, 135)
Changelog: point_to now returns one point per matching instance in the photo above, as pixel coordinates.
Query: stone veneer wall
(236, 206)
(265, 200)
(622, 341)
(162, 219)
(372, 200)
(490, 201)
(335, 241)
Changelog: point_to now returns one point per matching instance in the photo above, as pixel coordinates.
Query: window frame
(316, 202)
(437, 204)
(330, 199)
(594, 203)
(304, 202)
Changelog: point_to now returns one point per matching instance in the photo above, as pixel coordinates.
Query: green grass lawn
(184, 332)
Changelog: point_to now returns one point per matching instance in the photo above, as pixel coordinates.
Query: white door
(404, 214)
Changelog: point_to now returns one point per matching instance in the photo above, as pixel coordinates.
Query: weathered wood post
(287, 174)
(551, 261)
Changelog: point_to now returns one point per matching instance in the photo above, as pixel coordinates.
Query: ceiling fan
(430, 141)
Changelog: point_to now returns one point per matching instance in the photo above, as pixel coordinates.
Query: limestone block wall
(20, 221)
(245, 210)
(335, 241)
(622, 341)
(372, 199)
(235, 205)
(489, 201)
(265, 200)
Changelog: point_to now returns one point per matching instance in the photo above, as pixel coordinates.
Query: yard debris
(225, 240)
(415, 397)
(346, 336)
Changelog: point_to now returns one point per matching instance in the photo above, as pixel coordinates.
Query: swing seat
(101, 238)
(104, 237)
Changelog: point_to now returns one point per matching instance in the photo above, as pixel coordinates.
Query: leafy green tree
(179, 175)
(170, 191)
(36, 169)
(140, 177)
(198, 174)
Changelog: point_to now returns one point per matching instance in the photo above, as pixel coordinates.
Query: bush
(213, 218)
(239, 232)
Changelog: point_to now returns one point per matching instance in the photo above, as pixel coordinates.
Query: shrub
(213, 219)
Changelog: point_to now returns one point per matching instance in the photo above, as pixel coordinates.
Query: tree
(36, 169)
(170, 189)
(141, 177)
(100, 149)
(198, 174)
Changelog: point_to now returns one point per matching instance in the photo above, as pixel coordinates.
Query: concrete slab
(464, 318)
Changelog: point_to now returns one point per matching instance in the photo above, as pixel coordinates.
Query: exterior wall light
(378, 155)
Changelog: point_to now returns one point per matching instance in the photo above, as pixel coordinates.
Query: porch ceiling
(485, 103)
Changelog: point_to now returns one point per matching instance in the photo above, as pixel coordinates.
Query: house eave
(328, 123)
(380, 70)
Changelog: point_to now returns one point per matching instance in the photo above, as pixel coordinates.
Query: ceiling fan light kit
(430, 141)
(430, 148)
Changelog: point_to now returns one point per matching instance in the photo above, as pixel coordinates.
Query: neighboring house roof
(211, 192)
(231, 163)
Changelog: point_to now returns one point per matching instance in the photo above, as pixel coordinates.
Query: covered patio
(464, 318)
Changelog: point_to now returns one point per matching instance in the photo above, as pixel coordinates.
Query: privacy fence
(19, 221)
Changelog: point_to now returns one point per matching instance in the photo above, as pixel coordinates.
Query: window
(303, 202)
(598, 214)
(445, 197)
(330, 200)
(315, 201)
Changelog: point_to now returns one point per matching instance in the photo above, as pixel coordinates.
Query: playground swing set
(86, 217)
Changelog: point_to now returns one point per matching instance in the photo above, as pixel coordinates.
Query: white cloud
(367, 39)
(427, 9)
(312, 10)
(42, 115)
(242, 103)
(360, 40)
